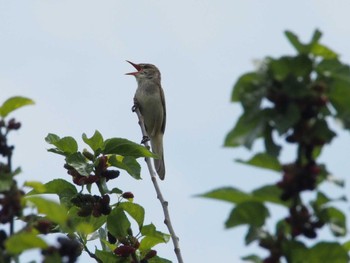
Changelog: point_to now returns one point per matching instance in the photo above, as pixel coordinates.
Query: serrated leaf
(95, 142)
(66, 145)
(118, 223)
(152, 237)
(263, 160)
(22, 241)
(247, 213)
(136, 211)
(52, 210)
(78, 161)
(126, 163)
(125, 147)
(12, 104)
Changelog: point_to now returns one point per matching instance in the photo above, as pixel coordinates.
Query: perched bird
(149, 98)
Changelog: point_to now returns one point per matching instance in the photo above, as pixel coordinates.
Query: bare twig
(164, 203)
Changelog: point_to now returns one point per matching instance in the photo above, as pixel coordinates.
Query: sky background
(69, 57)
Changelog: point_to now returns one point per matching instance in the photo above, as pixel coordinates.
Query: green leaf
(298, 66)
(284, 121)
(251, 213)
(136, 211)
(321, 131)
(246, 131)
(263, 160)
(66, 145)
(321, 200)
(336, 220)
(228, 194)
(12, 104)
(249, 90)
(94, 222)
(116, 190)
(316, 37)
(38, 187)
(328, 252)
(22, 241)
(271, 147)
(52, 210)
(125, 147)
(340, 98)
(323, 51)
(253, 234)
(253, 258)
(157, 259)
(294, 40)
(65, 190)
(108, 257)
(78, 161)
(346, 245)
(95, 142)
(269, 193)
(296, 251)
(152, 237)
(126, 163)
(6, 181)
(118, 223)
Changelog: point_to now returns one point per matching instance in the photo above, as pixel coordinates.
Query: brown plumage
(149, 97)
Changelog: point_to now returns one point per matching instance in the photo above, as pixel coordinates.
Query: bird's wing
(164, 108)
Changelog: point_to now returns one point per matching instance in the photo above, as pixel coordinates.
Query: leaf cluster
(81, 216)
(292, 99)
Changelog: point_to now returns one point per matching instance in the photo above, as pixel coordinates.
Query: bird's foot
(134, 107)
(145, 139)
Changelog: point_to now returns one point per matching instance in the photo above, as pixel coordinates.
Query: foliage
(291, 98)
(80, 216)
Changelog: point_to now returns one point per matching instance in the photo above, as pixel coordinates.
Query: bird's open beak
(136, 66)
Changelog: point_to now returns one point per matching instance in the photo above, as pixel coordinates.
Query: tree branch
(167, 220)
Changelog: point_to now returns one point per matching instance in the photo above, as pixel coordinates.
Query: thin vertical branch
(167, 220)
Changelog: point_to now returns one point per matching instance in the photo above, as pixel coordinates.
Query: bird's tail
(157, 148)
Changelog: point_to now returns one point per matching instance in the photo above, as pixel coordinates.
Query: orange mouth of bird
(136, 66)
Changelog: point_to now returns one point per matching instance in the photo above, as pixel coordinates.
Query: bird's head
(144, 71)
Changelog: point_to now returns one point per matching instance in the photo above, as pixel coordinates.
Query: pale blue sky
(69, 56)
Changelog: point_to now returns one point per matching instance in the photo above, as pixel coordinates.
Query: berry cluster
(92, 205)
(5, 128)
(69, 250)
(101, 171)
(10, 204)
(302, 223)
(298, 178)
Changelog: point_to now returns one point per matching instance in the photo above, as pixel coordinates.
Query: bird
(149, 98)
